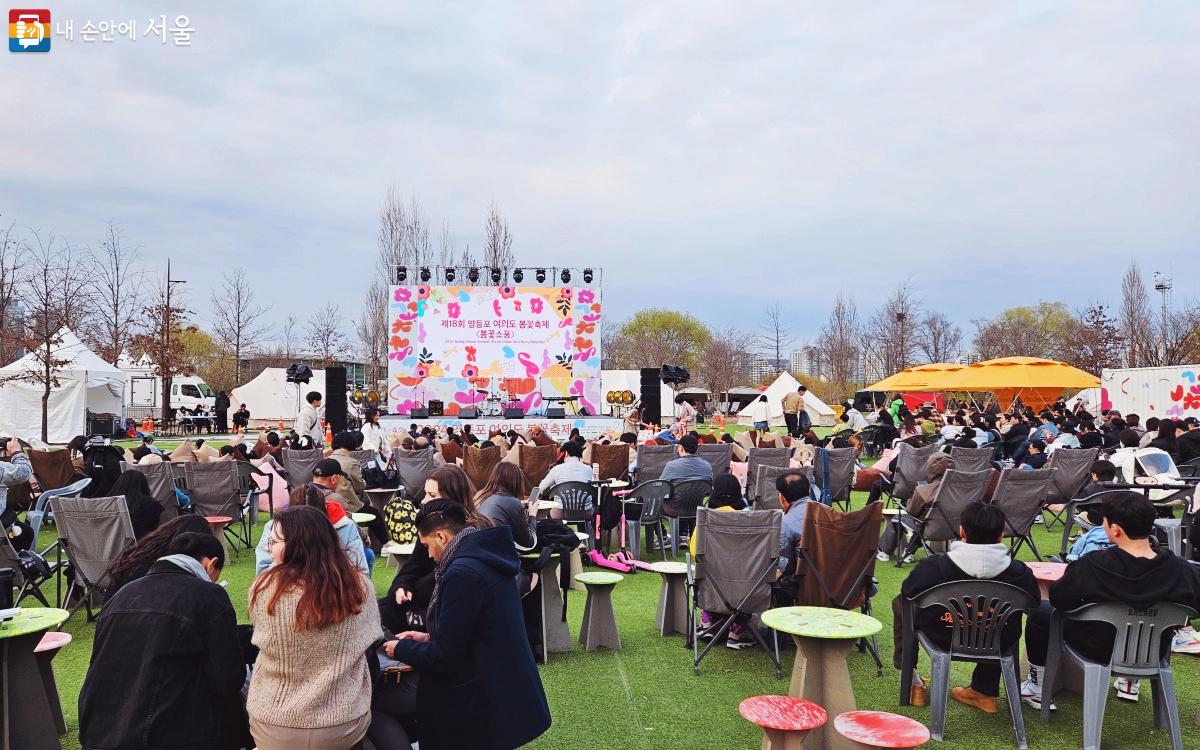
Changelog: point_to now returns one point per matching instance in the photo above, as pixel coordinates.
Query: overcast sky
(710, 156)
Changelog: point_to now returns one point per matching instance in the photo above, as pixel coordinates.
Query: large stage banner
(514, 345)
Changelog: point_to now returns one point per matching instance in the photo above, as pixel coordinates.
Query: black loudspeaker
(469, 412)
(514, 412)
(335, 398)
(419, 413)
(583, 412)
(651, 395)
(556, 412)
(436, 408)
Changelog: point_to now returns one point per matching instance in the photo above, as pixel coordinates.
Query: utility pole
(168, 371)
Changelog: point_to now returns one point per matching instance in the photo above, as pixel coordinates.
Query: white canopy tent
(85, 383)
(819, 412)
(270, 398)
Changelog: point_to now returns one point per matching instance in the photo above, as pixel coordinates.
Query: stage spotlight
(565, 276)
(496, 276)
(518, 276)
(473, 275)
(587, 276)
(449, 274)
(424, 273)
(401, 274)
(541, 275)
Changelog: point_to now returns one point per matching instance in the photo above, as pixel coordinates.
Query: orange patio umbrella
(1038, 382)
(918, 378)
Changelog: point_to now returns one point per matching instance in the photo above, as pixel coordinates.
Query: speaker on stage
(469, 412)
(436, 408)
(556, 412)
(419, 413)
(514, 412)
(651, 395)
(335, 398)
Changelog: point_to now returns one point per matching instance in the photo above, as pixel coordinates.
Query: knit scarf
(443, 564)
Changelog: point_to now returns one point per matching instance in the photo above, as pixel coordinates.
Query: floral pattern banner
(450, 343)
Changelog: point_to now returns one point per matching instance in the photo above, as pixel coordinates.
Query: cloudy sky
(711, 157)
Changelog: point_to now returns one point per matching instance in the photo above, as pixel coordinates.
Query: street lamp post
(168, 372)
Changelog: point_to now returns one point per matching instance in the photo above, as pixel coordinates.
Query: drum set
(493, 400)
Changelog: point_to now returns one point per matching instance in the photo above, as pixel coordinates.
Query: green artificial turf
(646, 696)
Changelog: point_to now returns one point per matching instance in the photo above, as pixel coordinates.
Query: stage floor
(559, 429)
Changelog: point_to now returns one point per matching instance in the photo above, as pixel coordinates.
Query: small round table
(25, 698)
(1047, 574)
(362, 519)
(672, 616)
(218, 524)
(880, 729)
(824, 636)
(379, 498)
(599, 626)
(783, 718)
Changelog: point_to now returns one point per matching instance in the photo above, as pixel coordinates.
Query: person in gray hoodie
(980, 554)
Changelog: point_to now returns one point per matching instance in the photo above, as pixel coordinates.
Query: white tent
(85, 383)
(631, 380)
(819, 411)
(270, 398)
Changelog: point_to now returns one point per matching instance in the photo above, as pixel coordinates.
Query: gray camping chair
(363, 457)
(972, 459)
(910, 471)
(214, 489)
(979, 610)
(93, 532)
(685, 498)
(299, 465)
(1074, 508)
(250, 493)
(1021, 494)
(29, 574)
(579, 504)
(161, 479)
(1137, 654)
(737, 555)
(36, 515)
(414, 467)
(940, 524)
(652, 459)
(779, 457)
(833, 475)
(762, 488)
(648, 497)
(718, 455)
(1073, 470)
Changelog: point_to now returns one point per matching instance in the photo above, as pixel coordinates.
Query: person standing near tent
(221, 410)
(685, 413)
(308, 421)
(793, 407)
(760, 413)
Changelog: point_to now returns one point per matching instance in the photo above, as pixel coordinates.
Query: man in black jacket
(980, 555)
(166, 669)
(1131, 571)
(1187, 440)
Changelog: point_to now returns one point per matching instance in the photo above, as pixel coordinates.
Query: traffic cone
(328, 434)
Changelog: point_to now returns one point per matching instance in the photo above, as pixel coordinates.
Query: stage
(558, 429)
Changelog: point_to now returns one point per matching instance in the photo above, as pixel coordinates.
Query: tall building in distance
(805, 361)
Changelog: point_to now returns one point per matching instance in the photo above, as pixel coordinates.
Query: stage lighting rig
(449, 274)
(425, 274)
(541, 275)
(401, 275)
(587, 276)
(473, 275)
(518, 276)
(496, 276)
(565, 276)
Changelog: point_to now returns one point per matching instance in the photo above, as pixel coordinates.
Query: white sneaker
(882, 556)
(1031, 688)
(1127, 689)
(1185, 642)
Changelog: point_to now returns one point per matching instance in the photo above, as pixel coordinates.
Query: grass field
(647, 697)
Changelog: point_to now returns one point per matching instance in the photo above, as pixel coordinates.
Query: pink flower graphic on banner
(586, 296)
(401, 325)
(507, 292)
(585, 326)
(496, 308)
(517, 305)
(471, 353)
(422, 292)
(403, 294)
(535, 305)
(453, 310)
(470, 371)
(422, 371)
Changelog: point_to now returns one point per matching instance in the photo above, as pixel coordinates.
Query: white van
(145, 392)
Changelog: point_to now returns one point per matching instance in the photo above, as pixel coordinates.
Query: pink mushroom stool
(44, 653)
(785, 720)
(879, 729)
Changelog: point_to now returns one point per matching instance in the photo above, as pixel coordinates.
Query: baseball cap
(328, 467)
(1191, 422)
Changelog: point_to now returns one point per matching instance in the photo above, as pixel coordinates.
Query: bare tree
(403, 235)
(118, 288)
(371, 332)
(237, 319)
(893, 330)
(58, 278)
(839, 344)
(446, 246)
(497, 250)
(775, 336)
(1096, 340)
(1136, 322)
(325, 337)
(12, 261)
(723, 362)
(162, 337)
(467, 258)
(289, 336)
(937, 339)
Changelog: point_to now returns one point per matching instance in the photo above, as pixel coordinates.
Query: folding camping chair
(762, 488)
(579, 506)
(611, 461)
(250, 491)
(478, 463)
(909, 472)
(648, 497)
(780, 457)
(93, 532)
(875, 439)
(298, 465)
(214, 489)
(1073, 470)
(1021, 494)
(685, 498)
(30, 571)
(414, 467)
(941, 521)
(161, 479)
(53, 469)
(972, 459)
(833, 475)
(835, 562)
(363, 457)
(652, 459)
(737, 555)
(536, 461)
(37, 514)
(718, 455)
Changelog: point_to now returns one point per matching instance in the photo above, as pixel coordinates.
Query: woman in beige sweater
(314, 618)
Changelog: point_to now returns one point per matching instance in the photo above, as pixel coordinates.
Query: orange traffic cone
(328, 434)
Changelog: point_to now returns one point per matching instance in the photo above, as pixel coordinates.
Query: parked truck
(1163, 392)
(143, 394)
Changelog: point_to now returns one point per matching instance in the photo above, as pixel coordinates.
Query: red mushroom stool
(879, 729)
(44, 653)
(784, 720)
(218, 524)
